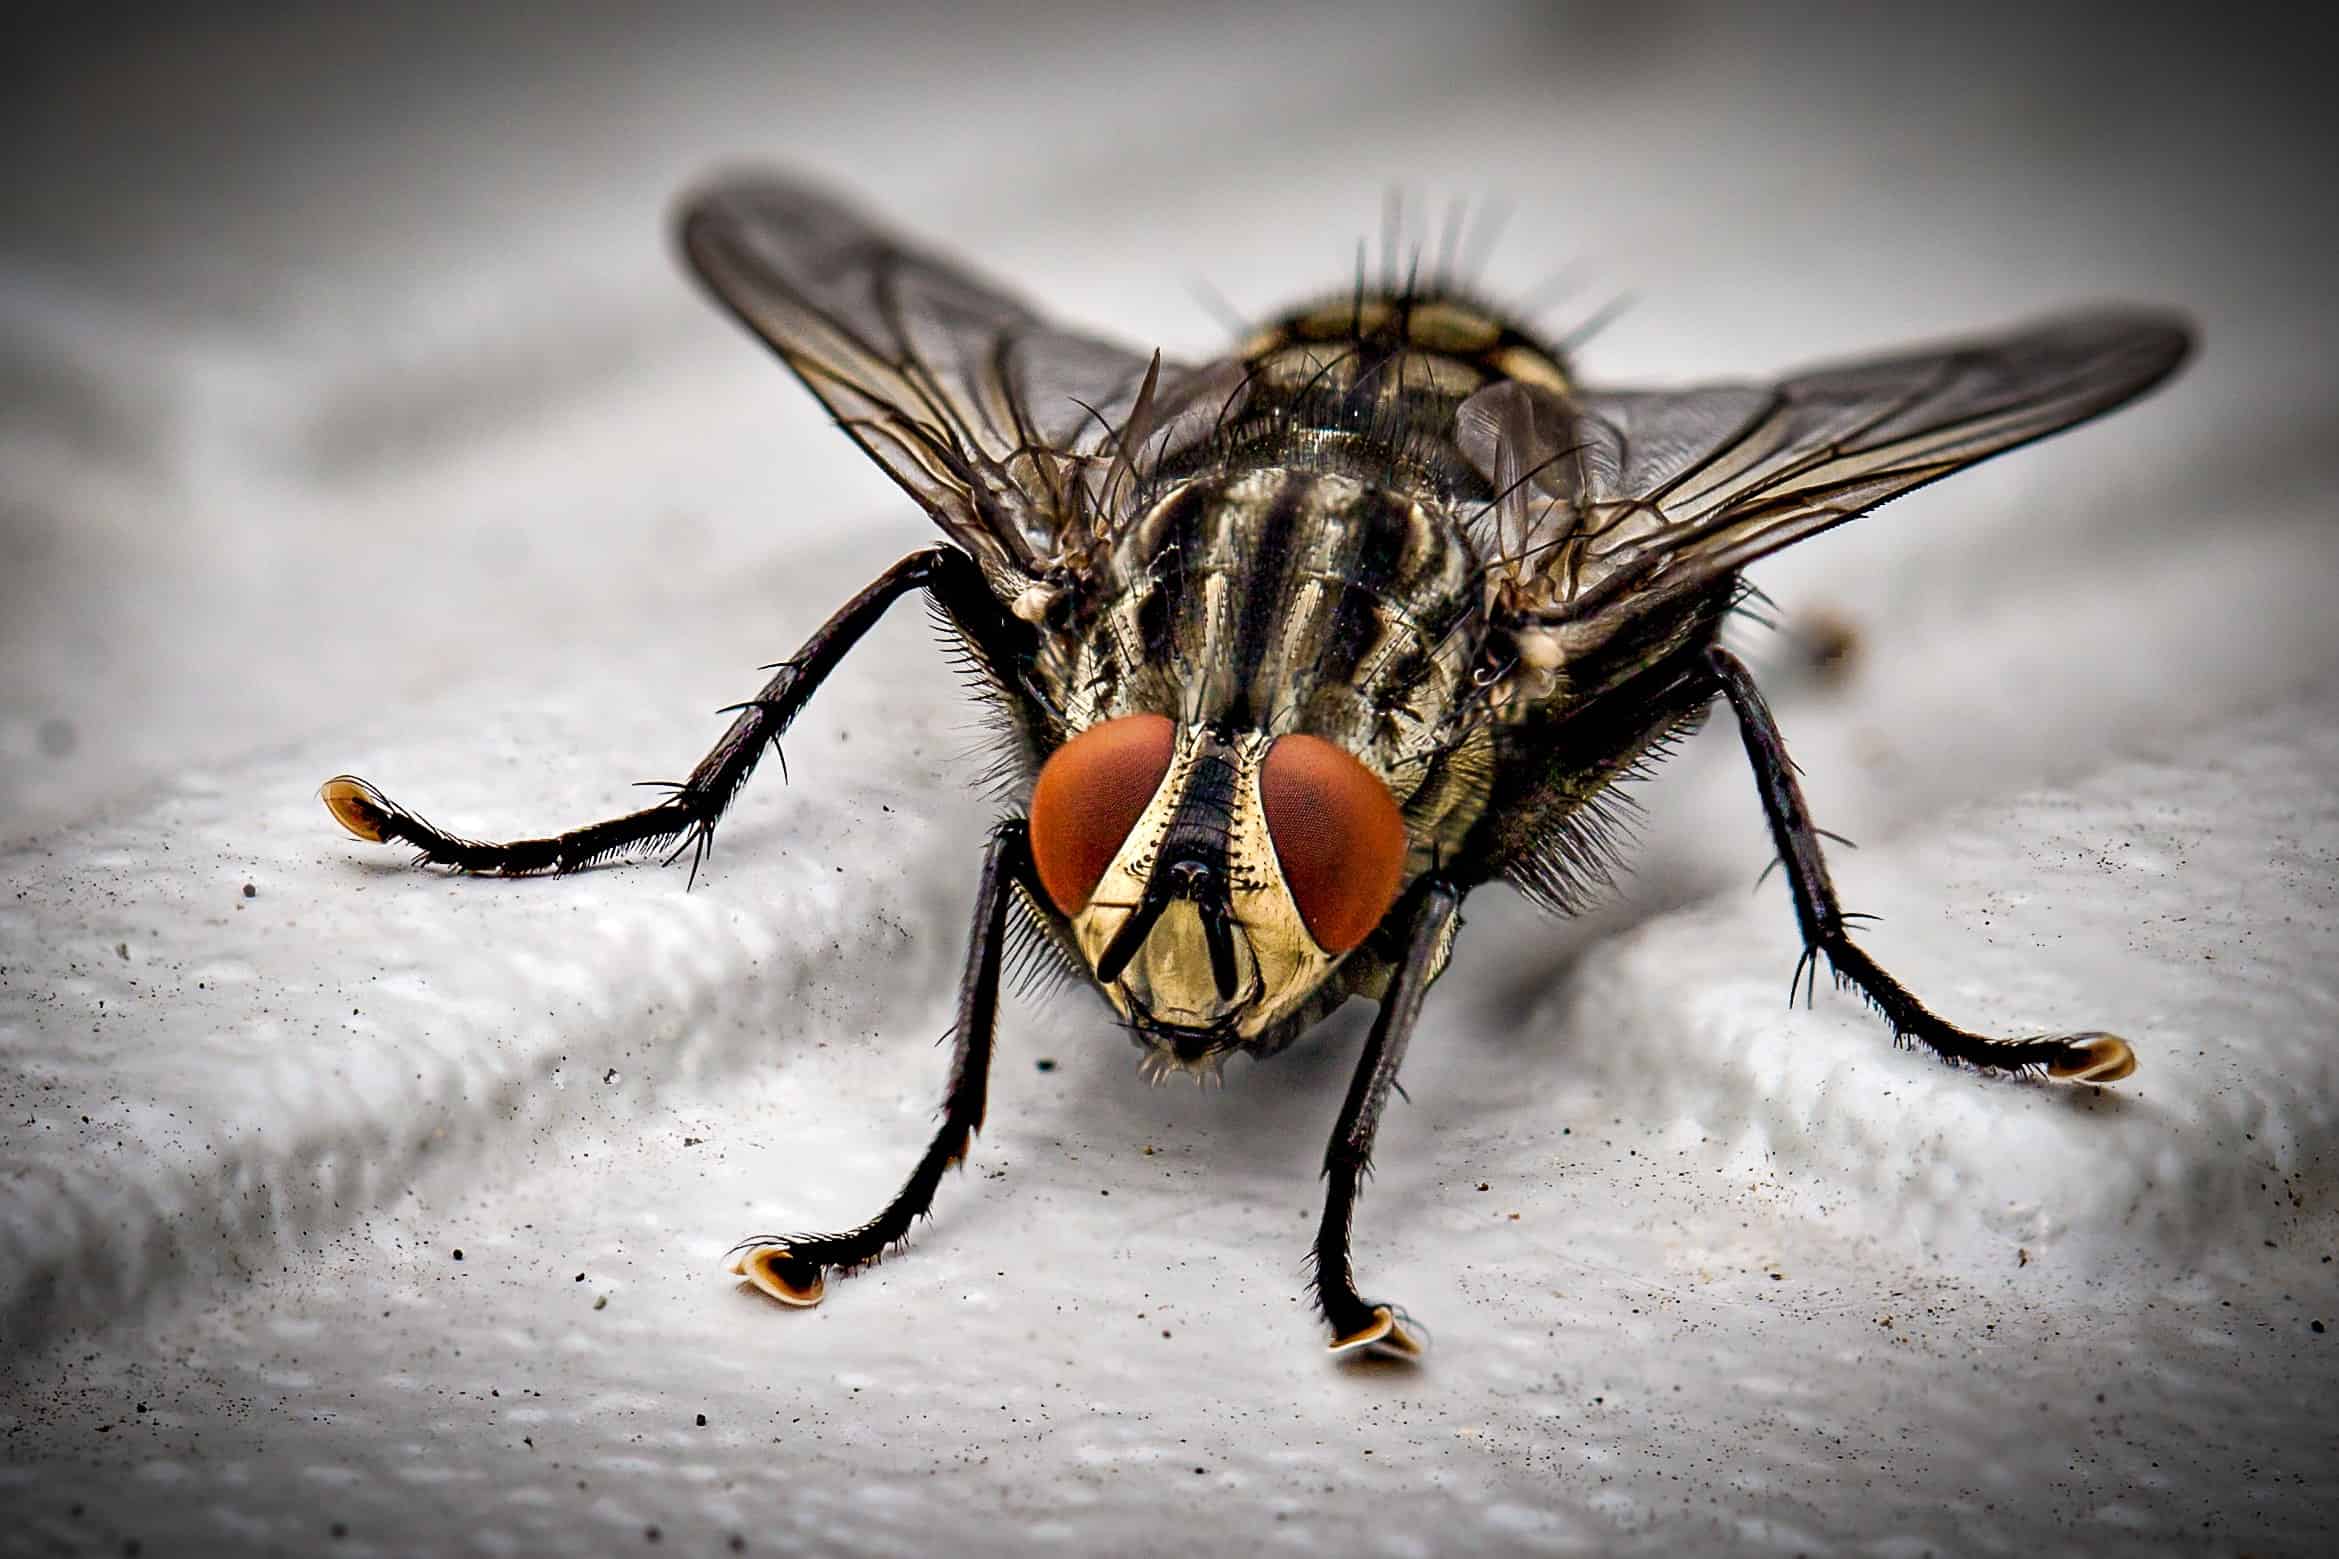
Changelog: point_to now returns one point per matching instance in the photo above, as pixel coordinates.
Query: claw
(356, 806)
(774, 1270)
(2093, 1058)
(1391, 1334)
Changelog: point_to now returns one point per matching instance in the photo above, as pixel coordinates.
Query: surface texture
(358, 421)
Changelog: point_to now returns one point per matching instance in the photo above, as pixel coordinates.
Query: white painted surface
(358, 421)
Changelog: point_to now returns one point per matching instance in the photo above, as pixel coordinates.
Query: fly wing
(1637, 496)
(997, 421)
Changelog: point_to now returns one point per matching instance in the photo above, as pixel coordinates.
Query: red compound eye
(1338, 834)
(1091, 792)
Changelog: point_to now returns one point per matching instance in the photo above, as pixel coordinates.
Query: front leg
(1359, 1323)
(792, 1267)
(2083, 1057)
(689, 815)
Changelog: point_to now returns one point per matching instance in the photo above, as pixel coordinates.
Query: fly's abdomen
(1394, 366)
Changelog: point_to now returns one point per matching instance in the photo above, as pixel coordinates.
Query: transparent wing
(1628, 495)
(991, 417)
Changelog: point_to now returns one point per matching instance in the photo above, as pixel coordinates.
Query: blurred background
(344, 354)
(355, 414)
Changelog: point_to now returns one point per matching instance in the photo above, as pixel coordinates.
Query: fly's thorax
(1283, 598)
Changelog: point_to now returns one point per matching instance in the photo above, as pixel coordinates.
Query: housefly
(1301, 646)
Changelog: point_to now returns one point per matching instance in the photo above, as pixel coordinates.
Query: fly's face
(1213, 879)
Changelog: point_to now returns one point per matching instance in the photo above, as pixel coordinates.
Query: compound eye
(1091, 792)
(1338, 835)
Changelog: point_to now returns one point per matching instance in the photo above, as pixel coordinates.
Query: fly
(1301, 646)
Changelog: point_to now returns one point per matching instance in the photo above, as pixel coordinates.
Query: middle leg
(686, 818)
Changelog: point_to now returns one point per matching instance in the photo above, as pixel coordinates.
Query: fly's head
(1212, 879)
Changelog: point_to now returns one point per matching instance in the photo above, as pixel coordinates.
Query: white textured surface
(460, 490)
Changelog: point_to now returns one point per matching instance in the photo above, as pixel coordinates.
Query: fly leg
(792, 1267)
(1357, 1322)
(687, 817)
(2084, 1057)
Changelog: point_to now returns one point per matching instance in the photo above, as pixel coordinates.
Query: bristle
(1580, 858)
(1037, 963)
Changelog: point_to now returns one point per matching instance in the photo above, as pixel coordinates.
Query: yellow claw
(1386, 1336)
(2093, 1058)
(761, 1267)
(356, 806)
